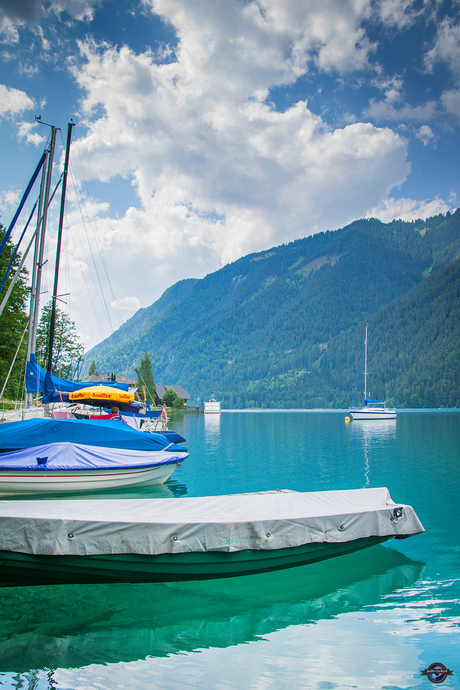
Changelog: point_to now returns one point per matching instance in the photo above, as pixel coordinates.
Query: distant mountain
(285, 327)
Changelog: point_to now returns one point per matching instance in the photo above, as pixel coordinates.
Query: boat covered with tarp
(112, 433)
(74, 467)
(171, 539)
(40, 381)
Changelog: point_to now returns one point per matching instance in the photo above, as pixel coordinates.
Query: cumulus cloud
(30, 12)
(216, 168)
(218, 171)
(446, 46)
(426, 135)
(13, 101)
(130, 304)
(407, 209)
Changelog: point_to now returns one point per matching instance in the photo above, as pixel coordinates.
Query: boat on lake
(174, 539)
(372, 409)
(212, 406)
(51, 455)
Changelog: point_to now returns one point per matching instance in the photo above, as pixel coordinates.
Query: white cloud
(386, 110)
(407, 209)
(26, 130)
(13, 101)
(130, 304)
(426, 135)
(8, 200)
(31, 11)
(218, 172)
(451, 101)
(446, 47)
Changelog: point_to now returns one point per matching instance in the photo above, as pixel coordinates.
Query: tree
(66, 347)
(145, 379)
(92, 368)
(13, 321)
(171, 399)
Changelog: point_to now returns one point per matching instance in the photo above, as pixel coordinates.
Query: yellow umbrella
(101, 396)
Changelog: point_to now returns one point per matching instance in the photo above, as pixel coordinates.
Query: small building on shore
(178, 390)
(98, 378)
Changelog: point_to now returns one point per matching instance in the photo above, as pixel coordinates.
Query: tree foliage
(13, 321)
(171, 399)
(67, 347)
(145, 378)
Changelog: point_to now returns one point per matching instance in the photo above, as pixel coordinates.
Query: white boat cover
(267, 520)
(58, 457)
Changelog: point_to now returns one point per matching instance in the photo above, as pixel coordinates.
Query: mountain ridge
(278, 313)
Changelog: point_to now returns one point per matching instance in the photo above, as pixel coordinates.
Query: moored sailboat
(372, 409)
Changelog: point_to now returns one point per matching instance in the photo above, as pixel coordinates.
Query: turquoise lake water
(373, 619)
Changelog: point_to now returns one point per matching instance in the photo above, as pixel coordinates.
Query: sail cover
(91, 432)
(37, 381)
(74, 456)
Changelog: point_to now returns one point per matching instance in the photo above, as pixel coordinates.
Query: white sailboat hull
(25, 482)
(373, 413)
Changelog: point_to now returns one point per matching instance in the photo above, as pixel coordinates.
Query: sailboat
(372, 409)
(41, 455)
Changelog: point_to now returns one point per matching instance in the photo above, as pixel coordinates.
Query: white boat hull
(370, 413)
(212, 408)
(28, 482)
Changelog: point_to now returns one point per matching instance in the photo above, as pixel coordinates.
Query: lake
(373, 619)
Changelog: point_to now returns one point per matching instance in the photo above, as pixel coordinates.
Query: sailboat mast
(58, 247)
(40, 250)
(365, 368)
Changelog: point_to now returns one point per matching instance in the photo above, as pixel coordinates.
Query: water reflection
(374, 431)
(371, 434)
(212, 430)
(75, 626)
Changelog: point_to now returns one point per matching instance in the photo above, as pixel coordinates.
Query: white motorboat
(212, 406)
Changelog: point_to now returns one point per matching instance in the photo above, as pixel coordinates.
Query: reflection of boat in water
(371, 436)
(165, 540)
(68, 627)
(212, 428)
(375, 431)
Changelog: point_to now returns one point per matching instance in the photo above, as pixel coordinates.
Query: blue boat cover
(73, 456)
(37, 381)
(91, 432)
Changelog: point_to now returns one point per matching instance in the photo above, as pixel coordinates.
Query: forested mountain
(285, 327)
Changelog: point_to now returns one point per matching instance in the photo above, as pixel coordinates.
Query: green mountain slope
(284, 328)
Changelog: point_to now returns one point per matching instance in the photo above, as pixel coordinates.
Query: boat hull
(32, 482)
(29, 569)
(212, 408)
(370, 413)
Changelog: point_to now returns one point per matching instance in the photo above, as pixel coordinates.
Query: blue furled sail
(90, 432)
(39, 381)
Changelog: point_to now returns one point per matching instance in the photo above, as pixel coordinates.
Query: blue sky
(206, 130)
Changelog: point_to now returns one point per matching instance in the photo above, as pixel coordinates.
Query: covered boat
(41, 455)
(72, 467)
(111, 433)
(160, 540)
